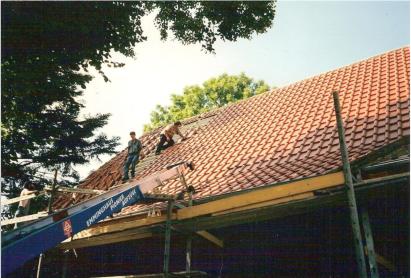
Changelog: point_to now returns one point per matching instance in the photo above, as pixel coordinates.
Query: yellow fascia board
(263, 195)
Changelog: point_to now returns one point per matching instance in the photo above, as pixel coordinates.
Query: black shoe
(125, 179)
(157, 153)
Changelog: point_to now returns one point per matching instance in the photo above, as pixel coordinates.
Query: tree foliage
(47, 50)
(215, 92)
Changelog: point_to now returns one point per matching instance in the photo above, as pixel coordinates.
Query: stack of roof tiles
(287, 133)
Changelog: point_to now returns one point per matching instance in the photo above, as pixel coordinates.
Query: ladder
(27, 242)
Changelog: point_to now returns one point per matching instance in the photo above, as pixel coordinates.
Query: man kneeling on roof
(166, 136)
(133, 153)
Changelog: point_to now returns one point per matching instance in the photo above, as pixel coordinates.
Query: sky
(306, 39)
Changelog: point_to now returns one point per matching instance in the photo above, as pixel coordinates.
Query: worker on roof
(166, 136)
(133, 153)
(24, 205)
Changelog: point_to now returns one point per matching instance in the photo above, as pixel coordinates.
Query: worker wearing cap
(133, 153)
(166, 136)
(24, 205)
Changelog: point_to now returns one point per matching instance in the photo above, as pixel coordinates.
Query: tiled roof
(284, 134)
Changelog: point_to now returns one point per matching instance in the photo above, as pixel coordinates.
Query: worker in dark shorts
(133, 153)
(166, 136)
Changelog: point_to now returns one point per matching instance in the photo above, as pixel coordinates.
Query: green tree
(215, 92)
(47, 50)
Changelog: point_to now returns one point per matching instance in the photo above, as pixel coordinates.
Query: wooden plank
(24, 218)
(109, 236)
(268, 203)
(104, 239)
(262, 195)
(125, 236)
(211, 238)
(117, 230)
(77, 242)
(254, 215)
(366, 191)
(76, 190)
(21, 198)
(122, 226)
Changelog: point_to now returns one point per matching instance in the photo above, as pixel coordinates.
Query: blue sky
(309, 38)
(306, 39)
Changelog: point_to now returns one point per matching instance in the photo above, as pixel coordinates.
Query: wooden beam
(122, 226)
(211, 238)
(105, 239)
(263, 195)
(366, 191)
(21, 198)
(254, 215)
(268, 203)
(76, 190)
(24, 218)
(206, 235)
(132, 234)
(87, 237)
